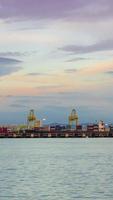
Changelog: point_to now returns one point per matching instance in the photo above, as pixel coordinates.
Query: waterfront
(54, 169)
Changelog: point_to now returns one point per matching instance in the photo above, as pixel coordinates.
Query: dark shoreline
(61, 134)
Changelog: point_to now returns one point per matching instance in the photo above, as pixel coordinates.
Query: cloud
(18, 106)
(77, 59)
(16, 54)
(52, 9)
(9, 70)
(70, 71)
(109, 72)
(6, 61)
(9, 66)
(106, 45)
(12, 54)
(37, 74)
(50, 87)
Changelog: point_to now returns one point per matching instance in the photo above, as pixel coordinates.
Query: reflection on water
(56, 169)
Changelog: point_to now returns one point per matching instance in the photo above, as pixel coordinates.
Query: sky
(56, 56)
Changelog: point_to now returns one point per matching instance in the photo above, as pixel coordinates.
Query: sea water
(56, 169)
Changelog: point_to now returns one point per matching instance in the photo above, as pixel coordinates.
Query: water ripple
(55, 169)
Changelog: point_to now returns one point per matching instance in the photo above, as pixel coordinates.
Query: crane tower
(31, 118)
(73, 118)
(32, 121)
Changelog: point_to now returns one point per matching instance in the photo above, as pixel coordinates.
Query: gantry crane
(31, 118)
(32, 121)
(73, 118)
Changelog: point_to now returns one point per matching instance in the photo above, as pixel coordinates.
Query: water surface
(56, 169)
